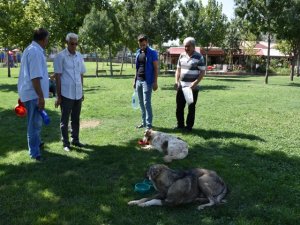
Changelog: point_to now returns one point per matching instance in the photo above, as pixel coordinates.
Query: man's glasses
(73, 43)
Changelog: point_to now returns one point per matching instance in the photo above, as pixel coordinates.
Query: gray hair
(189, 40)
(71, 36)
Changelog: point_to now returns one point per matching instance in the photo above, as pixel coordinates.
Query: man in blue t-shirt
(145, 79)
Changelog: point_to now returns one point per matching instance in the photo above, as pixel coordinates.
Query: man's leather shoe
(77, 144)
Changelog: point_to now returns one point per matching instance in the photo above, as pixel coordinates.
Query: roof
(179, 50)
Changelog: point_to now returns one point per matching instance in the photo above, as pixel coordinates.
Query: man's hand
(155, 86)
(176, 86)
(57, 102)
(193, 85)
(41, 103)
(134, 85)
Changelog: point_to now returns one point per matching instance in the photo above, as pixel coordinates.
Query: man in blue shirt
(33, 88)
(145, 79)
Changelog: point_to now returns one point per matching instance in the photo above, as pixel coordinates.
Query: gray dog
(179, 187)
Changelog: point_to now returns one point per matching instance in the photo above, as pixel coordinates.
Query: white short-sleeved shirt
(33, 65)
(70, 66)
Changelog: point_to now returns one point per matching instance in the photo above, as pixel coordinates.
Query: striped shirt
(190, 67)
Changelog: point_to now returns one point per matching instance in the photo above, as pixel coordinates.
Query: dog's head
(155, 170)
(148, 135)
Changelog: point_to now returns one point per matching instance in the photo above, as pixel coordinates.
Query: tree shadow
(94, 184)
(8, 88)
(213, 134)
(13, 130)
(202, 87)
(231, 79)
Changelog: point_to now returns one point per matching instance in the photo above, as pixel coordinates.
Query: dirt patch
(89, 123)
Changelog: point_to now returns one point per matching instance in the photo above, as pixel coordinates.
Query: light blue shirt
(70, 66)
(33, 65)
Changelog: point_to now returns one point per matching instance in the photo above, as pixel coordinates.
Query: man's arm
(58, 89)
(37, 87)
(155, 65)
(82, 86)
(200, 77)
(177, 77)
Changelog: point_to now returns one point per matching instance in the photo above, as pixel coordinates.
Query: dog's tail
(181, 155)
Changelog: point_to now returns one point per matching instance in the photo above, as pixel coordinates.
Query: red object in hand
(141, 142)
(20, 109)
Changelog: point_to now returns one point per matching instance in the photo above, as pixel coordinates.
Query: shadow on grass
(210, 134)
(202, 88)
(13, 130)
(8, 88)
(93, 186)
(231, 79)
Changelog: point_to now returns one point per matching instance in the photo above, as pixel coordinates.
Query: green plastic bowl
(142, 188)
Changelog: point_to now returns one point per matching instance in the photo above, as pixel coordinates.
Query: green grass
(247, 131)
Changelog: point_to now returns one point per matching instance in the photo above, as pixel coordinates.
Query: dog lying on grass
(180, 187)
(172, 147)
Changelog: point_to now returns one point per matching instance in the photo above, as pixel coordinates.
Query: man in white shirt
(69, 69)
(33, 88)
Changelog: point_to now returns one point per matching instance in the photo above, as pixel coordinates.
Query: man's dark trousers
(180, 105)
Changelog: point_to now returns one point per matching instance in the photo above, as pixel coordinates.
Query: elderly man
(33, 88)
(190, 71)
(69, 69)
(145, 79)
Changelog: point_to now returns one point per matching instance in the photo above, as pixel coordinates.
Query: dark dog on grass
(179, 187)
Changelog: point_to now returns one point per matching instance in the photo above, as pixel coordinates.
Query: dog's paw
(200, 207)
(135, 202)
(167, 159)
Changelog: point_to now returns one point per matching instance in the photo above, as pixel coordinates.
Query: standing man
(33, 88)
(69, 69)
(145, 79)
(190, 71)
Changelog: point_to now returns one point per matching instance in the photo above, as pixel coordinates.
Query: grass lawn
(245, 130)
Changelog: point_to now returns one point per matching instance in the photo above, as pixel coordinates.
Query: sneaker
(38, 158)
(67, 148)
(78, 144)
(139, 126)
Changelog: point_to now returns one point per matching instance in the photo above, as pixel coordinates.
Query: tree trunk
(206, 59)
(8, 65)
(110, 61)
(298, 64)
(97, 63)
(124, 52)
(293, 68)
(268, 59)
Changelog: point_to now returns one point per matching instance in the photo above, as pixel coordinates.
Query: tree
(206, 24)
(100, 29)
(288, 29)
(262, 16)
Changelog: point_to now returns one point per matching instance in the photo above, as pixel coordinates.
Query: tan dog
(172, 147)
(179, 187)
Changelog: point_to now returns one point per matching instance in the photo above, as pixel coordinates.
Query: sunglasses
(73, 43)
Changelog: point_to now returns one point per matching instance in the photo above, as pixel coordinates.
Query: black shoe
(188, 129)
(178, 128)
(78, 144)
(139, 126)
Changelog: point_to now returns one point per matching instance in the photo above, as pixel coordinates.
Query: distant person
(52, 85)
(33, 88)
(190, 71)
(145, 79)
(69, 69)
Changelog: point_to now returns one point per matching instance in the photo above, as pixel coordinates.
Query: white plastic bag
(188, 95)
(135, 100)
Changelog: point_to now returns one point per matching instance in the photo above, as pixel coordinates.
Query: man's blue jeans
(144, 92)
(34, 127)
